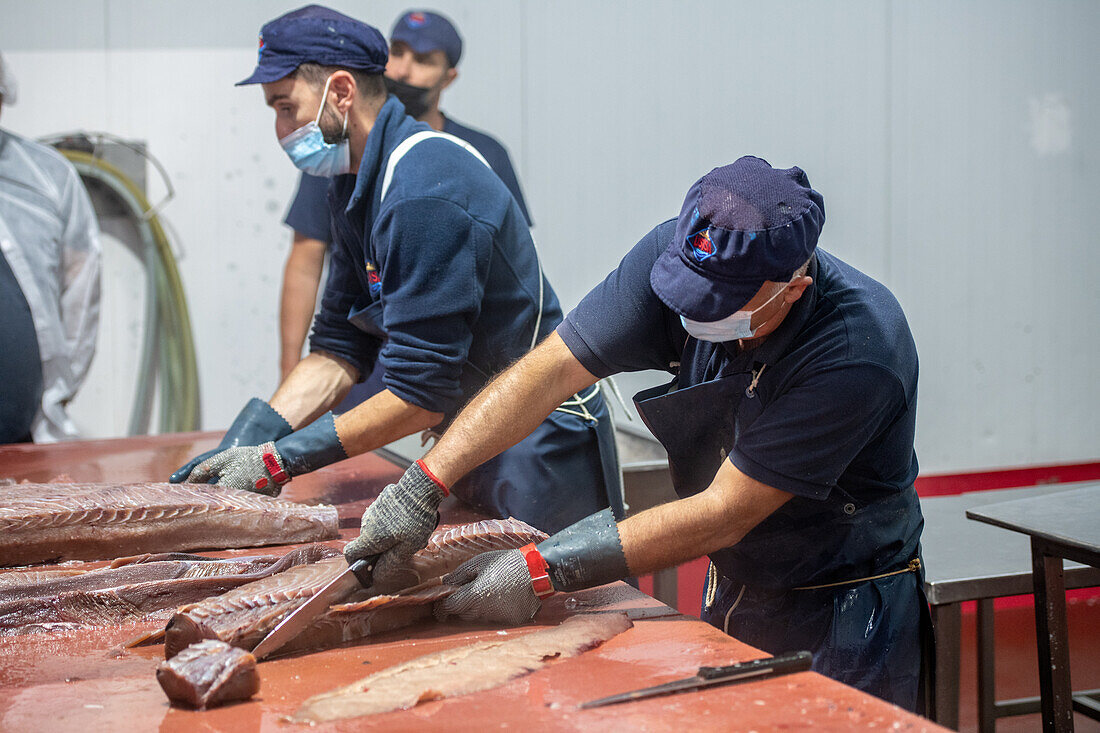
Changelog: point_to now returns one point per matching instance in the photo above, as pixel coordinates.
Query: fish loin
(461, 671)
(113, 595)
(208, 674)
(54, 522)
(243, 616)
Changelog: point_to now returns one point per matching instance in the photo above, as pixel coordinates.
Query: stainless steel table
(968, 561)
(1062, 526)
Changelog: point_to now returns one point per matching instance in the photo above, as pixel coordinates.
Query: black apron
(20, 361)
(866, 632)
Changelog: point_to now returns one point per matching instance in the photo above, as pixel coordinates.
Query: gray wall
(955, 143)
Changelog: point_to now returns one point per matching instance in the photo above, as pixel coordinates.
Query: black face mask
(415, 99)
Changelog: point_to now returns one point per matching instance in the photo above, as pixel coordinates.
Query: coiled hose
(168, 349)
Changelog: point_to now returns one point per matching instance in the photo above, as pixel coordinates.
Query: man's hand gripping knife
(507, 586)
(397, 524)
(261, 453)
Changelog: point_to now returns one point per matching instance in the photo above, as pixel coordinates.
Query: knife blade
(358, 575)
(710, 676)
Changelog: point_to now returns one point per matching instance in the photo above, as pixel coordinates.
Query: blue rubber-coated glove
(257, 423)
(397, 524)
(266, 468)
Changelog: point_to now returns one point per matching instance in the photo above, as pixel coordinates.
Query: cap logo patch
(415, 20)
(260, 53)
(701, 245)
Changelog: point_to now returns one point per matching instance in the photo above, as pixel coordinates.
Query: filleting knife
(709, 676)
(359, 575)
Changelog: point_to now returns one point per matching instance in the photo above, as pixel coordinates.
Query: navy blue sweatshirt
(444, 271)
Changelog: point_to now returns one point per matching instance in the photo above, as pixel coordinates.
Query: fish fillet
(112, 595)
(461, 671)
(52, 522)
(243, 616)
(208, 674)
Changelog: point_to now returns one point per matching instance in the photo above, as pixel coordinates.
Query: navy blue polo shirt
(836, 405)
(309, 216)
(444, 270)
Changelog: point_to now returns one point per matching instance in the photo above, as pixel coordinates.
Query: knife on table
(709, 676)
(360, 574)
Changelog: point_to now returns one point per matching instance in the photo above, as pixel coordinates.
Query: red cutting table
(83, 681)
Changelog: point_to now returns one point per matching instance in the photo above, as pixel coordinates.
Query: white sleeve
(80, 267)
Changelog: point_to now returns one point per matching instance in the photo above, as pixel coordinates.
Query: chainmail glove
(496, 588)
(396, 525)
(257, 468)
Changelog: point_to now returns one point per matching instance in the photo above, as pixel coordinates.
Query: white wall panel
(955, 144)
(993, 182)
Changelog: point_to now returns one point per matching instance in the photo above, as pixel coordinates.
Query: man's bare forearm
(301, 279)
(508, 409)
(381, 419)
(720, 516)
(314, 386)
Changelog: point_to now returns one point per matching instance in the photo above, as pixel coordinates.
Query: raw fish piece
(112, 595)
(461, 671)
(243, 616)
(53, 522)
(208, 674)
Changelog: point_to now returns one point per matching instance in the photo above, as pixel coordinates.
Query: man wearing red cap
(789, 426)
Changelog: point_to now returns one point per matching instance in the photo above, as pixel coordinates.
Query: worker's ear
(342, 90)
(796, 288)
(448, 77)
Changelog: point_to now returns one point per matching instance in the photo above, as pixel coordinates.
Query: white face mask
(730, 328)
(308, 150)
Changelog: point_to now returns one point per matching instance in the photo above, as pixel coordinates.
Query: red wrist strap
(442, 486)
(538, 568)
(273, 467)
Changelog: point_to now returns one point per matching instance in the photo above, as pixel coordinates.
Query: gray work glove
(257, 423)
(496, 589)
(266, 468)
(396, 525)
(244, 468)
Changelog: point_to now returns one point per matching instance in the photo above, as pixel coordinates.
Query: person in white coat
(49, 286)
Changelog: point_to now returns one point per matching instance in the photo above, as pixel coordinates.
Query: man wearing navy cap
(433, 275)
(788, 423)
(424, 52)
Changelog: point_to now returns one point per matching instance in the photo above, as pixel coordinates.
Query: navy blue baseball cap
(426, 31)
(317, 35)
(741, 225)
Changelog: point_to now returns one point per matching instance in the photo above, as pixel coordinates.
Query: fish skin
(243, 616)
(55, 522)
(208, 674)
(113, 595)
(462, 670)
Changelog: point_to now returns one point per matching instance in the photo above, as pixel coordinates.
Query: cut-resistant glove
(397, 524)
(257, 423)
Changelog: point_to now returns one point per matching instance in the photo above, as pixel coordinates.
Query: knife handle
(783, 664)
(364, 570)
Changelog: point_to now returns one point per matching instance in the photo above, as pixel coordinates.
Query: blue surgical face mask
(308, 150)
(730, 328)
